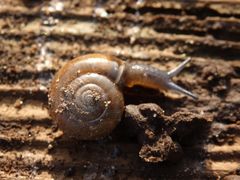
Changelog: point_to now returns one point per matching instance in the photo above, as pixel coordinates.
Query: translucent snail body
(85, 96)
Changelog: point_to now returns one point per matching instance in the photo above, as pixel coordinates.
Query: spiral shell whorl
(88, 97)
(86, 106)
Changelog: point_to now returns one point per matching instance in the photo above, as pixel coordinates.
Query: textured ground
(38, 37)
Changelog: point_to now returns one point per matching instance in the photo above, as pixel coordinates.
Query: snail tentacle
(175, 72)
(175, 87)
(178, 69)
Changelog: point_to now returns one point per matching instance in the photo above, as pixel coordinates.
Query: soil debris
(161, 135)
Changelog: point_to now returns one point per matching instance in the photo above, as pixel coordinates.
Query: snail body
(85, 96)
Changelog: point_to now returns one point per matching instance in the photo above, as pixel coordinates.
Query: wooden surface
(38, 37)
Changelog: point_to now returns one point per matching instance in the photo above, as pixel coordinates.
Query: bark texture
(38, 37)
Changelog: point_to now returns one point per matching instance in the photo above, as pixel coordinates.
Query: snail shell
(85, 97)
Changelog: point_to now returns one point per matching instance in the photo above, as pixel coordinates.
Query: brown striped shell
(84, 97)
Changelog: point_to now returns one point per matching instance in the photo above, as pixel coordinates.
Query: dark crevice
(14, 144)
(47, 123)
(23, 94)
(202, 13)
(14, 76)
(217, 34)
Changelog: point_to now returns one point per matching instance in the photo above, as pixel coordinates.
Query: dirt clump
(160, 135)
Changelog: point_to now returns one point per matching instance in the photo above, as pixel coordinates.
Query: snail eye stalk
(175, 72)
(177, 88)
(179, 68)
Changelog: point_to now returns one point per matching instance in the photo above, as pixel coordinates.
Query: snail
(85, 97)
